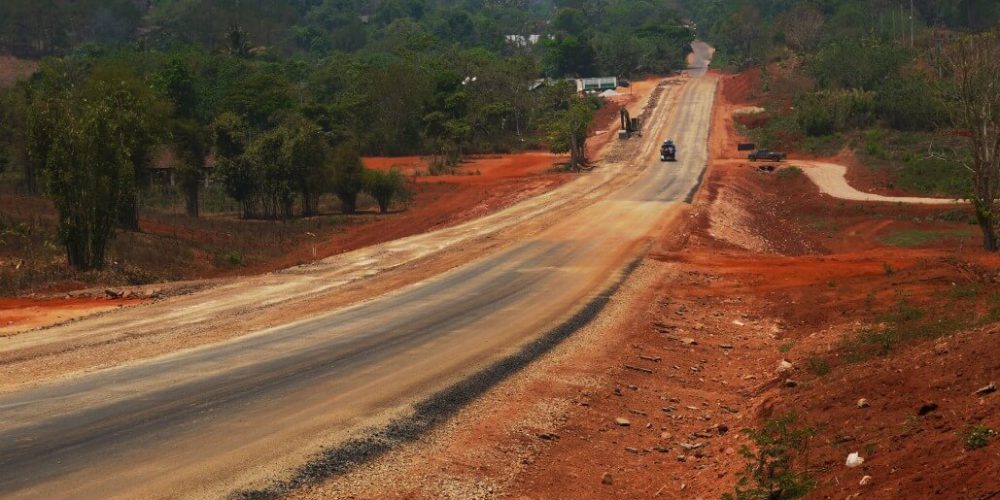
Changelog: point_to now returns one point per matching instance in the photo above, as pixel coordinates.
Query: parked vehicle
(668, 151)
(766, 155)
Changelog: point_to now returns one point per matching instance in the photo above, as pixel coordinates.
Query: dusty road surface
(236, 413)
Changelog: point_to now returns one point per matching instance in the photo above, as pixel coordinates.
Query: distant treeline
(282, 98)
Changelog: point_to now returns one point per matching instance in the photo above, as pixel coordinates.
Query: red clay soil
(697, 360)
(21, 314)
(724, 318)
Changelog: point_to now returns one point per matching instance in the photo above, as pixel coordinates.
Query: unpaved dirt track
(831, 179)
(204, 421)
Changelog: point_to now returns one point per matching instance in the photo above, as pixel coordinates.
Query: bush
(909, 103)
(386, 187)
(790, 173)
(817, 365)
(977, 437)
(772, 470)
(829, 111)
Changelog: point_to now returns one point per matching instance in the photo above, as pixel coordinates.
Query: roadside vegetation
(264, 110)
(911, 94)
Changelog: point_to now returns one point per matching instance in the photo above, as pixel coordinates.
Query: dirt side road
(236, 413)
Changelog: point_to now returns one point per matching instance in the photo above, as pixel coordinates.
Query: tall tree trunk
(128, 214)
(191, 198)
(30, 179)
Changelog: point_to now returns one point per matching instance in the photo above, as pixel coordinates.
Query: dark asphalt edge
(689, 199)
(436, 409)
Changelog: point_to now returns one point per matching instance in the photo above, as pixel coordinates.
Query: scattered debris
(941, 348)
(926, 408)
(785, 366)
(982, 391)
(638, 369)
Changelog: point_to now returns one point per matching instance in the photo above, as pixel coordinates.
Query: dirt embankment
(889, 303)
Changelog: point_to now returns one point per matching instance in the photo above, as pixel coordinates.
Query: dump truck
(668, 151)
(766, 155)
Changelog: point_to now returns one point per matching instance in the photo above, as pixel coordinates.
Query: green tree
(232, 139)
(307, 153)
(567, 131)
(274, 194)
(191, 143)
(445, 123)
(89, 166)
(348, 176)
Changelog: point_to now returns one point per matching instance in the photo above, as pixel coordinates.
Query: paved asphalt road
(203, 421)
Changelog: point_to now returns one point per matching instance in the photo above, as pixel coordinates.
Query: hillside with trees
(874, 78)
(277, 102)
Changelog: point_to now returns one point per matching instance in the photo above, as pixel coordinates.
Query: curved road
(204, 421)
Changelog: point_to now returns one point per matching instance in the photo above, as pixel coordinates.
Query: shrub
(790, 173)
(817, 365)
(773, 470)
(385, 187)
(977, 437)
(829, 111)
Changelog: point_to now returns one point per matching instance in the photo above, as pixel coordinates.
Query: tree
(348, 176)
(385, 187)
(307, 154)
(618, 54)
(568, 129)
(190, 143)
(743, 33)
(270, 174)
(237, 41)
(190, 140)
(231, 138)
(802, 26)
(445, 122)
(973, 91)
(89, 167)
(568, 55)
